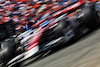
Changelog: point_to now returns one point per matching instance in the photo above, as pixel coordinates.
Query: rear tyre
(89, 17)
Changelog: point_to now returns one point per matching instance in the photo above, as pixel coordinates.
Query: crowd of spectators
(23, 12)
(30, 11)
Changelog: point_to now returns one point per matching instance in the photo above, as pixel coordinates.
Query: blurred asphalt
(83, 53)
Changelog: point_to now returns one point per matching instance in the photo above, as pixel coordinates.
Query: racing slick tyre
(53, 33)
(8, 51)
(89, 17)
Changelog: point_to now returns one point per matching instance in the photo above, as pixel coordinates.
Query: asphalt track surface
(83, 53)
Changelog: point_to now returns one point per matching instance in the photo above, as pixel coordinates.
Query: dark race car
(58, 28)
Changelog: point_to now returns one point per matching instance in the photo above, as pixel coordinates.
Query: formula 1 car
(57, 29)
